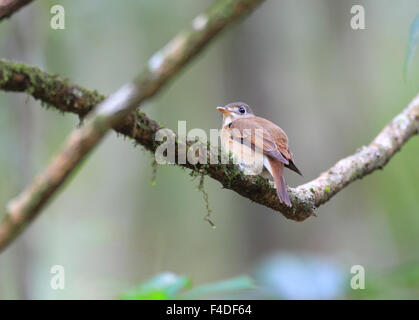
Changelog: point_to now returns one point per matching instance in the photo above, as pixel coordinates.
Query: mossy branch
(114, 111)
(305, 198)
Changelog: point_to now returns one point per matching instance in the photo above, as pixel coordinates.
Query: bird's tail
(293, 167)
(280, 185)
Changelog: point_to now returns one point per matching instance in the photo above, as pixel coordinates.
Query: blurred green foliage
(287, 276)
(161, 287)
(167, 286)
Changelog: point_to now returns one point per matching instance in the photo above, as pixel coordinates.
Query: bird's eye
(242, 110)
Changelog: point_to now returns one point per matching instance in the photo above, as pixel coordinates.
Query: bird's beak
(223, 109)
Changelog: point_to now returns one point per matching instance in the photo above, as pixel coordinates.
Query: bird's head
(236, 110)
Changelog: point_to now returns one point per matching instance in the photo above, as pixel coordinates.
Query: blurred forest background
(298, 63)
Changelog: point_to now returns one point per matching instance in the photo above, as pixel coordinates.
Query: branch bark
(8, 7)
(68, 97)
(113, 111)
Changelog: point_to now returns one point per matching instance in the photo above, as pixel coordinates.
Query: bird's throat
(227, 119)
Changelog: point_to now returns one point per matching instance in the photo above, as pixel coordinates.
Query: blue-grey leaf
(290, 276)
(412, 45)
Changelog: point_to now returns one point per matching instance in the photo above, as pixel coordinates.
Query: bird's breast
(249, 160)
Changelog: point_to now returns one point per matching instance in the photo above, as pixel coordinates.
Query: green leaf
(412, 45)
(161, 287)
(229, 285)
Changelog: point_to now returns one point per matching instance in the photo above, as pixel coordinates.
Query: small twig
(205, 195)
(154, 172)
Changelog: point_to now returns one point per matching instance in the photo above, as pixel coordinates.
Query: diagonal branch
(368, 158)
(114, 109)
(8, 7)
(66, 96)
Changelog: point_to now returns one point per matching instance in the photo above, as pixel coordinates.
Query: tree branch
(8, 7)
(368, 158)
(66, 96)
(113, 111)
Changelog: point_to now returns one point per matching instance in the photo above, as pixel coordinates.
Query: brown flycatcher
(245, 135)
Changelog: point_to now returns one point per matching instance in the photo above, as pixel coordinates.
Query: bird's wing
(278, 135)
(281, 140)
(249, 131)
